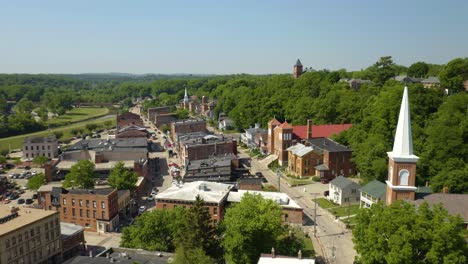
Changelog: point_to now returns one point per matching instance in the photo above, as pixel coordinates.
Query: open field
(16, 142)
(77, 115)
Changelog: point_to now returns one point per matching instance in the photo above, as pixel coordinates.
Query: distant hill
(123, 77)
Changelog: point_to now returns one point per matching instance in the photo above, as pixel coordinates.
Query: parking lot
(19, 195)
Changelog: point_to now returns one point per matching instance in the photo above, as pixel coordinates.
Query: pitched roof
(376, 189)
(286, 125)
(319, 131)
(300, 149)
(456, 204)
(431, 79)
(298, 63)
(327, 144)
(274, 121)
(342, 182)
(321, 167)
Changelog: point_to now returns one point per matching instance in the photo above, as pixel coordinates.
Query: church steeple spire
(403, 144)
(186, 99)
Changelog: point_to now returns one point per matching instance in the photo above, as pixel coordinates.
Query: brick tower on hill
(297, 69)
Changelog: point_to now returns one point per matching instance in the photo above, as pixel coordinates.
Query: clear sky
(223, 37)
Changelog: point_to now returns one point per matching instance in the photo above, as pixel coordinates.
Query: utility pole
(278, 174)
(349, 205)
(315, 215)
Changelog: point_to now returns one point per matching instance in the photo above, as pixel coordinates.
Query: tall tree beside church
(418, 69)
(384, 70)
(401, 233)
(453, 75)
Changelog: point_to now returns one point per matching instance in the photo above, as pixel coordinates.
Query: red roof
(286, 125)
(319, 131)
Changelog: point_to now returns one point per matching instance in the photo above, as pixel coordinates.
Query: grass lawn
(16, 142)
(308, 250)
(295, 181)
(76, 115)
(343, 210)
(352, 220)
(324, 203)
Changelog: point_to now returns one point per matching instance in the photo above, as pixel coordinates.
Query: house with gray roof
(372, 193)
(431, 81)
(344, 191)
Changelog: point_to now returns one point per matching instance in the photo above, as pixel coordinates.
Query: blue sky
(225, 36)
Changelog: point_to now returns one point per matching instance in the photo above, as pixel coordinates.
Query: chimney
(299, 254)
(273, 253)
(309, 128)
(445, 189)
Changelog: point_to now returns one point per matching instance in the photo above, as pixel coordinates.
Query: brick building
(187, 126)
(213, 194)
(253, 184)
(297, 69)
(217, 169)
(40, 146)
(29, 236)
(164, 119)
(206, 147)
(132, 131)
(73, 242)
(97, 210)
(128, 118)
(152, 112)
(281, 136)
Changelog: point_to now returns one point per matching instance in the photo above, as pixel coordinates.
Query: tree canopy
(401, 233)
(122, 178)
(40, 160)
(36, 181)
(81, 175)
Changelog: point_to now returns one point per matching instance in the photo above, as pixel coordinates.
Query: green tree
(81, 175)
(197, 230)
(43, 113)
(154, 230)
(3, 160)
(91, 127)
(384, 70)
(24, 105)
(182, 114)
(401, 233)
(122, 178)
(164, 128)
(453, 74)
(418, 69)
(40, 160)
(251, 228)
(191, 256)
(58, 134)
(36, 181)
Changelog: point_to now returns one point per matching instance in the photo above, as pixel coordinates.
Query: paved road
(330, 233)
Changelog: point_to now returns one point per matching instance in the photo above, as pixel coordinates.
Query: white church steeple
(186, 99)
(403, 144)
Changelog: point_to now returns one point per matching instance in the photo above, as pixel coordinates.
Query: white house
(225, 123)
(372, 193)
(344, 191)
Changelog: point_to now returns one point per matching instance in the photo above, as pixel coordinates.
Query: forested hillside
(439, 121)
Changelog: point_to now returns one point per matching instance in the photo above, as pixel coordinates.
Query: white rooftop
(69, 229)
(300, 149)
(283, 260)
(210, 192)
(281, 198)
(403, 144)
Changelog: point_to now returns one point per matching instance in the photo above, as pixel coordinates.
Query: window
(103, 205)
(94, 213)
(73, 202)
(13, 241)
(215, 210)
(7, 243)
(346, 200)
(48, 147)
(26, 235)
(43, 147)
(164, 206)
(94, 204)
(353, 190)
(103, 215)
(87, 203)
(48, 155)
(64, 210)
(81, 202)
(73, 212)
(27, 155)
(37, 147)
(20, 238)
(404, 175)
(87, 213)
(26, 148)
(81, 212)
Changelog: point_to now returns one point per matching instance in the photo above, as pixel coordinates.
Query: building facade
(97, 210)
(152, 112)
(29, 236)
(297, 69)
(207, 147)
(187, 126)
(344, 191)
(40, 146)
(128, 118)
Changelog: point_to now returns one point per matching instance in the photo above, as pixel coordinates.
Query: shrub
(316, 178)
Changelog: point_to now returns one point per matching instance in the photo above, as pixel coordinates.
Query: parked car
(20, 201)
(259, 174)
(34, 196)
(6, 201)
(154, 192)
(29, 201)
(142, 209)
(264, 180)
(150, 198)
(326, 193)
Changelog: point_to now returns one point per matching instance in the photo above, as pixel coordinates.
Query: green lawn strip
(352, 220)
(77, 115)
(16, 142)
(308, 250)
(343, 210)
(324, 203)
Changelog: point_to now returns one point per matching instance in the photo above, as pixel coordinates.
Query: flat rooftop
(281, 198)
(210, 192)
(69, 229)
(67, 164)
(25, 217)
